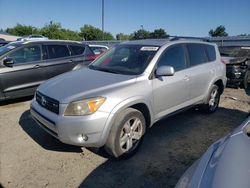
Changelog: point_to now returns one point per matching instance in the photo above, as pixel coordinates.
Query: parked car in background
(132, 86)
(26, 64)
(3, 42)
(32, 38)
(225, 164)
(98, 49)
(237, 61)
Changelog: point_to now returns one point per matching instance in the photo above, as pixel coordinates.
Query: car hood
(235, 60)
(83, 83)
(225, 164)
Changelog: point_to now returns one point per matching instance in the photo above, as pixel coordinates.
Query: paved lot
(29, 157)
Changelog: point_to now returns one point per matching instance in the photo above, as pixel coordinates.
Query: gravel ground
(29, 157)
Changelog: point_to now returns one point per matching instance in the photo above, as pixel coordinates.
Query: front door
(22, 78)
(171, 92)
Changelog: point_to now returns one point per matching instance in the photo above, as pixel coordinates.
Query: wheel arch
(220, 84)
(139, 103)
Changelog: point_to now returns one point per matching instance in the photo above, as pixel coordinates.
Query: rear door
(57, 59)
(25, 75)
(201, 69)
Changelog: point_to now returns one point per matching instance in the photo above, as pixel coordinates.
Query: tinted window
(57, 51)
(77, 50)
(173, 56)
(26, 54)
(211, 53)
(197, 54)
(7, 48)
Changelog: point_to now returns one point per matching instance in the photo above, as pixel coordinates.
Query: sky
(177, 17)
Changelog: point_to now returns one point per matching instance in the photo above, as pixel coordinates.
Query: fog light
(82, 138)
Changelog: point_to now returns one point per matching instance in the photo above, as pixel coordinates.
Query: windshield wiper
(103, 69)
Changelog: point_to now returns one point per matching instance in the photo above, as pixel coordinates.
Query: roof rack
(173, 38)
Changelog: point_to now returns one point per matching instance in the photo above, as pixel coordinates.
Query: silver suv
(122, 93)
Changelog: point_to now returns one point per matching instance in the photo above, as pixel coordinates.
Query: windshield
(125, 59)
(8, 47)
(235, 51)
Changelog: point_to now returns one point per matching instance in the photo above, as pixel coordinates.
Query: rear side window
(173, 56)
(211, 53)
(197, 54)
(58, 51)
(77, 50)
(26, 54)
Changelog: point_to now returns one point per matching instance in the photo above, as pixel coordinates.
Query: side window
(197, 54)
(57, 51)
(211, 53)
(77, 50)
(173, 56)
(26, 54)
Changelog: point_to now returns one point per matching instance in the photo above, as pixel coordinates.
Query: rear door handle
(36, 66)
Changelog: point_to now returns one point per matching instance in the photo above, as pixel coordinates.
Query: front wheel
(126, 134)
(213, 100)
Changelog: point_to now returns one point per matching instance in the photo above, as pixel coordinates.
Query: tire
(213, 100)
(246, 80)
(126, 134)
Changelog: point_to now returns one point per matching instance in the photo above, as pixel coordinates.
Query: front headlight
(84, 107)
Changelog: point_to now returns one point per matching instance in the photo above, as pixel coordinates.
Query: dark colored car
(237, 61)
(3, 42)
(25, 65)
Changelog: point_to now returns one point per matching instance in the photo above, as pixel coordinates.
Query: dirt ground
(29, 157)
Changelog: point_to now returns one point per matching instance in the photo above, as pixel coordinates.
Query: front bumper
(72, 129)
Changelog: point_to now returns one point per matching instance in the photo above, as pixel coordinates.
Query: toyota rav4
(113, 101)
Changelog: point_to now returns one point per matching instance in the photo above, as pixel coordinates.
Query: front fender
(118, 109)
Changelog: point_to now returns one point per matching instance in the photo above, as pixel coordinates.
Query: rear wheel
(246, 80)
(213, 100)
(126, 134)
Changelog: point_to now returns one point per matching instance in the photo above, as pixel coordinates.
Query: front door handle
(36, 66)
(186, 78)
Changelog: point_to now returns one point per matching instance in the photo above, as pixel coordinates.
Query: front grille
(47, 102)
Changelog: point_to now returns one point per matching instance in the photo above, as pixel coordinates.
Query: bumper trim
(53, 133)
(52, 122)
(44, 122)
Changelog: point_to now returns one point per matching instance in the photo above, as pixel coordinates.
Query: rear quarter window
(77, 50)
(211, 53)
(58, 51)
(197, 54)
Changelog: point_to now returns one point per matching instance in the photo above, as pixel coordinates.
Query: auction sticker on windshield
(149, 48)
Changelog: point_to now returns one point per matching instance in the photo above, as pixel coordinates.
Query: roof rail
(173, 38)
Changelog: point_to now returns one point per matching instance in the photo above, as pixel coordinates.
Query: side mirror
(8, 62)
(164, 71)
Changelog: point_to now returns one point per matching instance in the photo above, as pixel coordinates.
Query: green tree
(159, 33)
(22, 30)
(89, 32)
(108, 36)
(122, 36)
(52, 30)
(219, 31)
(140, 34)
(70, 35)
